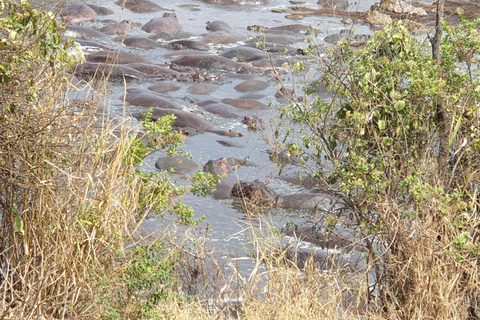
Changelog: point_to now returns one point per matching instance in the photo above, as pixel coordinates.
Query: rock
(378, 18)
(334, 4)
(400, 7)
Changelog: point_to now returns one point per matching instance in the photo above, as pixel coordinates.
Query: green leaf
(455, 131)
(18, 225)
(382, 125)
(400, 105)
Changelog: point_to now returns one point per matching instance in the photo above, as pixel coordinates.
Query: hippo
(190, 123)
(211, 62)
(333, 250)
(102, 11)
(176, 165)
(219, 37)
(274, 38)
(139, 5)
(251, 86)
(259, 193)
(246, 54)
(88, 45)
(190, 44)
(116, 57)
(246, 104)
(165, 86)
(146, 98)
(218, 26)
(139, 42)
(160, 70)
(254, 123)
(325, 240)
(121, 27)
(113, 71)
(76, 13)
(85, 33)
(167, 23)
(219, 167)
(219, 108)
(222, 167)
(230, 144)
(203, 88)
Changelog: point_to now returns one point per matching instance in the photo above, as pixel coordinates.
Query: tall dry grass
(70, 195)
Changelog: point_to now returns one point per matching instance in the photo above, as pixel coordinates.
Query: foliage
(72, 188)
(378, 141)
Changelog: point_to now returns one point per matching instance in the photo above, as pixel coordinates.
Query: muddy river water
(224, 217)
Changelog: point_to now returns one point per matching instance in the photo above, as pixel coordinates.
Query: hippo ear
(266, 182)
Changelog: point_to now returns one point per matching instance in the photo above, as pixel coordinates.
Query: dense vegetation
(379, 140)
(73, 195)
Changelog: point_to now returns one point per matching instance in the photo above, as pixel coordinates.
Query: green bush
(379, 139)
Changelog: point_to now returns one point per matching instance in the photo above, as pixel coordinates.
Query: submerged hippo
(146, 98)
(218, 26)
(190, 44)
(191, 123)
(121, 27)
(116, 57)
(259, 193)
(176, 164)
(222, 167)
(139, 42)
(167, 23)
(243, 53)
(84, 33)
(211, 62)
(75, 13)
(112, 71)
(139, 5)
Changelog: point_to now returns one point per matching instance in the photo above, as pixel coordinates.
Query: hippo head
(218, 167)
(254, 123)
(171, 15)
(255, 191)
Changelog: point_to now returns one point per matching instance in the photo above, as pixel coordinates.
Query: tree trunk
(442, 115)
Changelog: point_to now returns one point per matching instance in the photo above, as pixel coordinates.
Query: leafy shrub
(379, 140)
